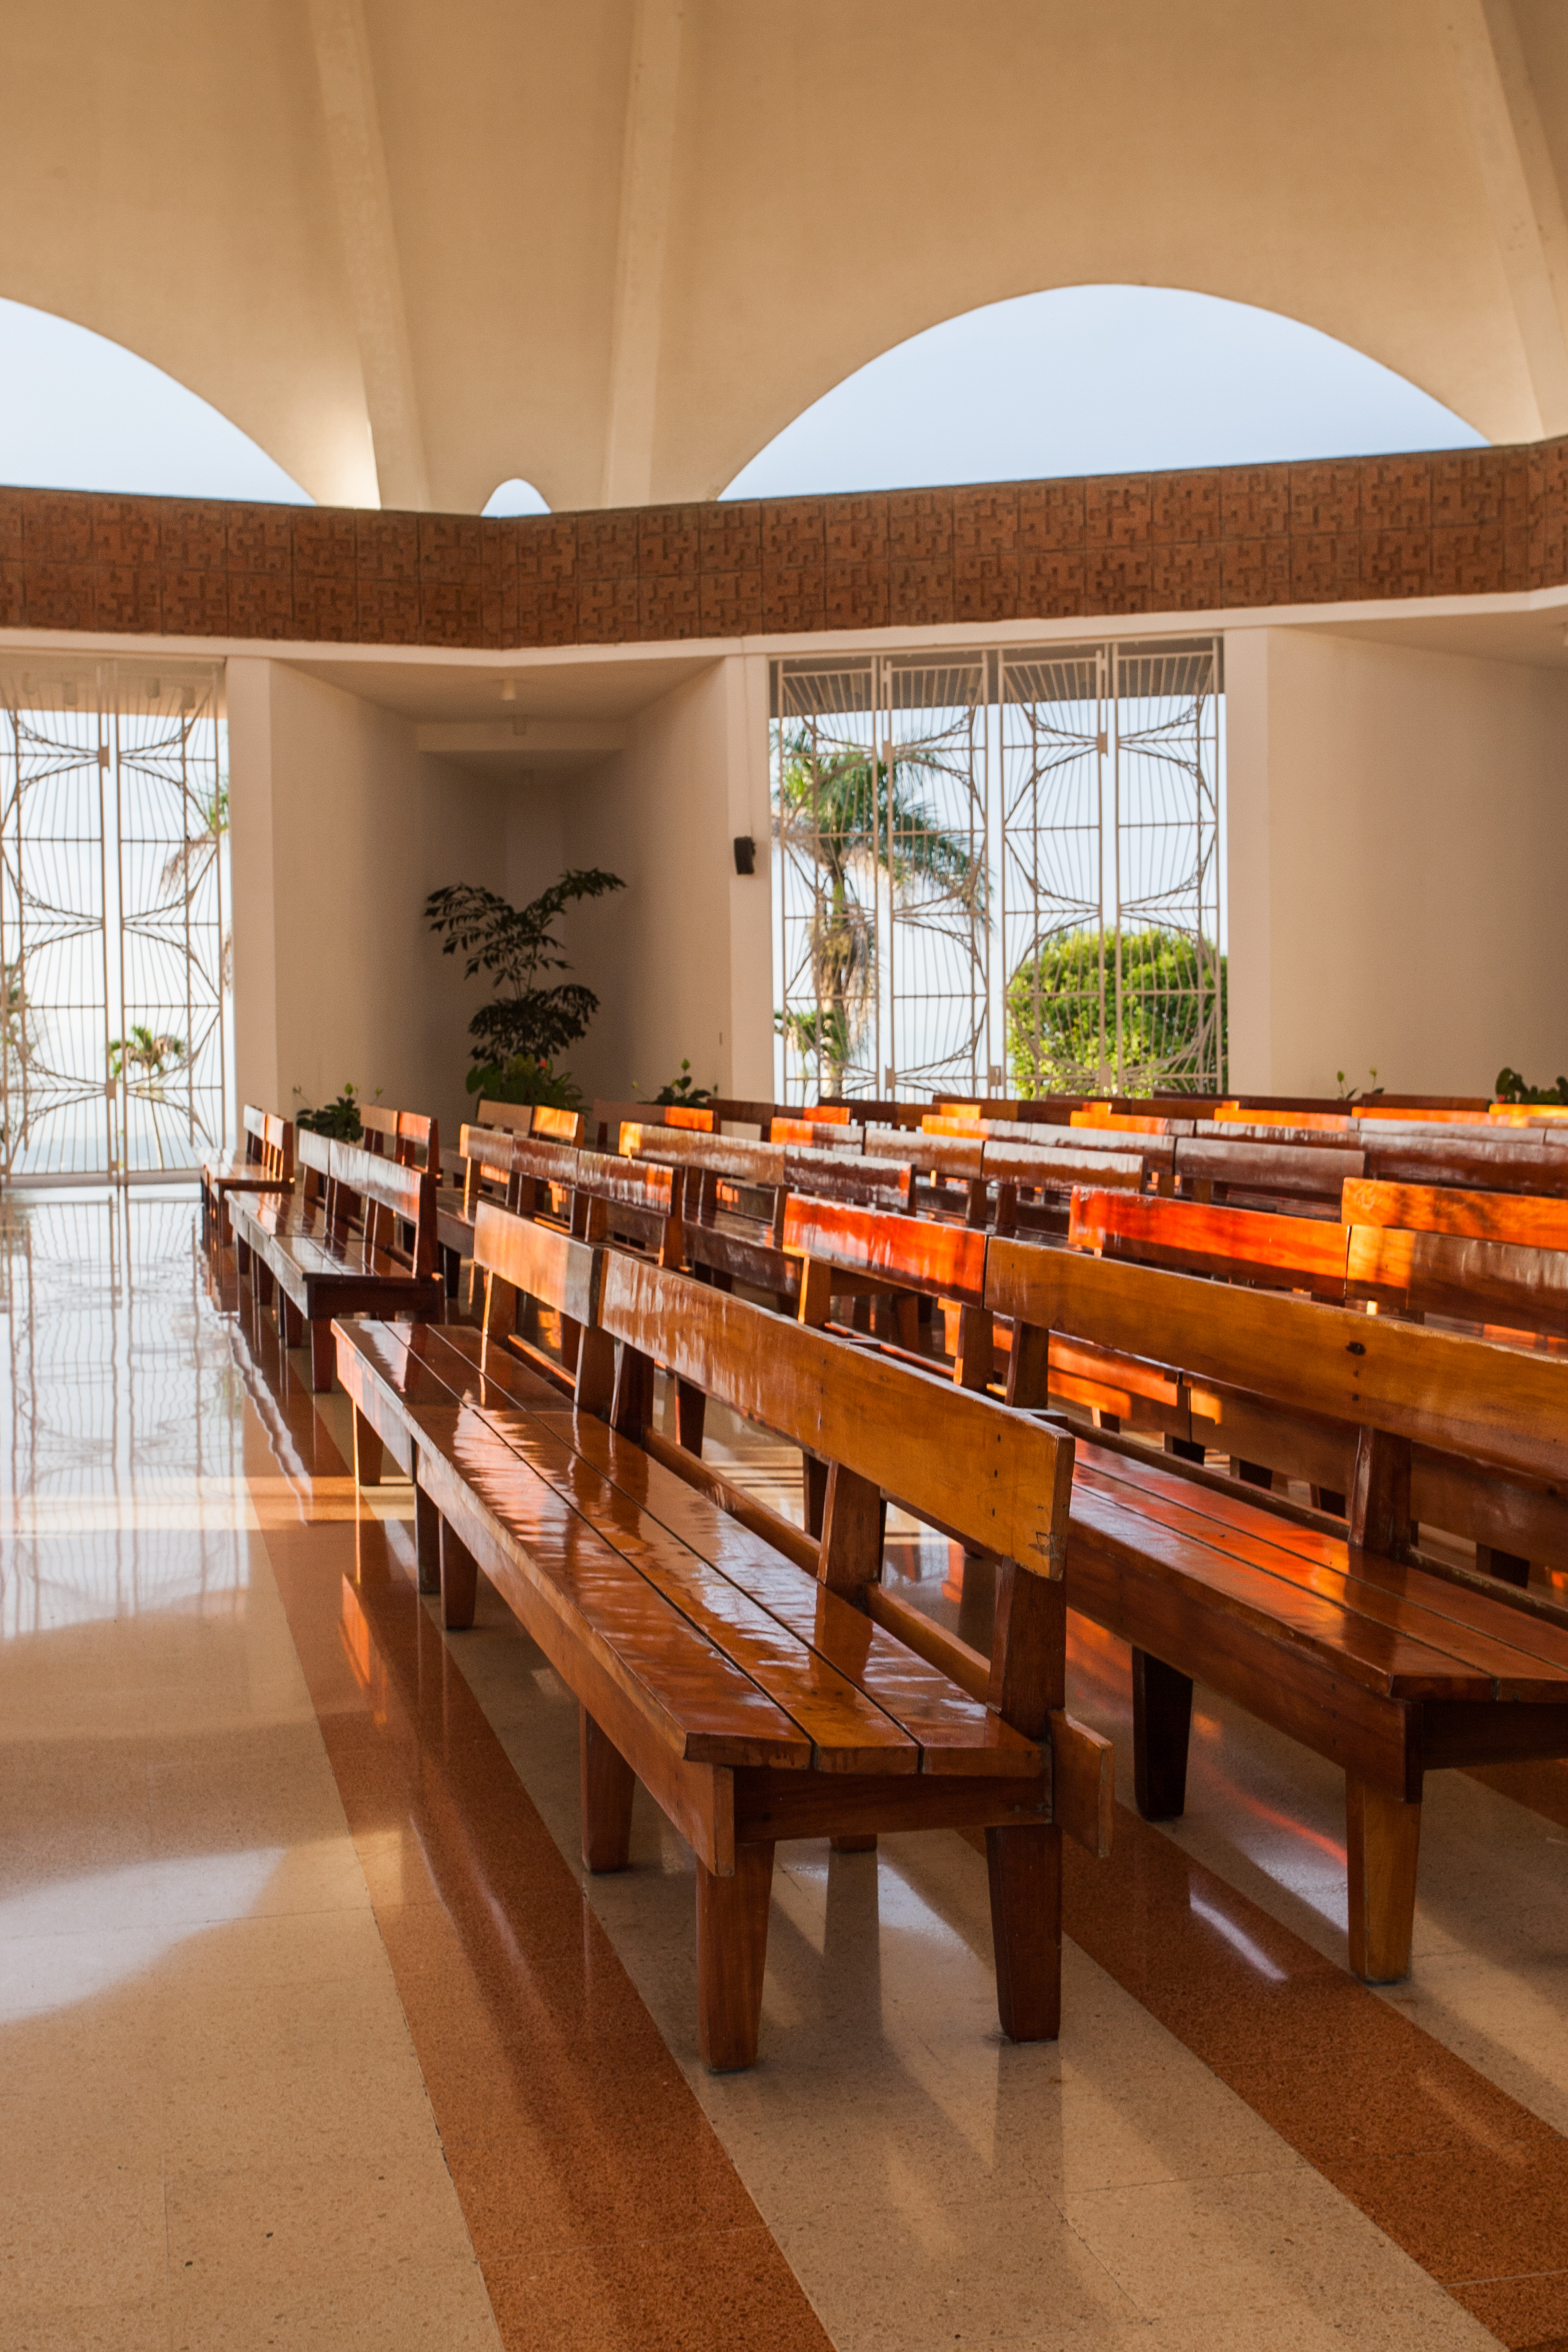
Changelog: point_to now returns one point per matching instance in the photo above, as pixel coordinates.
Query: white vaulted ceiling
(614, 246)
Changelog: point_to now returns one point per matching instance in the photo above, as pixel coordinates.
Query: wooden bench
(753, 1703)
(337, 1248)
(1386, 1667)
(263, 1163)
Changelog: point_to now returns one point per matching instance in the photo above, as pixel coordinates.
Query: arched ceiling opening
(1096, 380)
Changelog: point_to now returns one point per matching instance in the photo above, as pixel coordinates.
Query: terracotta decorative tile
(449, 549)
(985, 586)
(855, 531)
(1326, 496)
(668, 606)
(124, 530)
(55, 528)
(1469, 486)
(732, 602)
(1325, 566)
(10, 526)
(60, 596)
(1467, 560)
(792, 596)
(607, 611)
(986, 519)
(1396, 493)
(261, 540)
(1050, 585)
(920, 525)
(1185, 578)
(193, 535)
(1255, 571)
(326, 610)
(324, 546)
(260, 605)
(920, 595)
(546, 612)
(791, 531)
(546, 547)
(195, 604)
(1184, 508)
(1050, 517)
(498, 622)
(1116, 580)
(607, 546)
(668, 541)
(12, 598)
(451, 611)
(1254, 501)
(1395, 562)
(498, 551)
(386, 546)
(1118, 510)
(854, 596)
(388, 612)
(730, 536)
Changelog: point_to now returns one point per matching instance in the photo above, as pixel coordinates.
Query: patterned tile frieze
(1447, 522)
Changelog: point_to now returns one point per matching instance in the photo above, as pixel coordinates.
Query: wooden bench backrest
(908, 1253)
(487, 1153)
(697, 1119)
(278, 1148)
(1470, 1159)
(1121, 1123)
(1316, 1173)
(418, 1140)
(606, 1118)
(1292, 1253)
(1482, 1216)
(834, 1135)
(314, 1153)
(378, 1128)
(514, 1118)
(253, 1127)
(934, 1151)
(557, 1126)
(726, 1155)
(629, 1183)
(1322, 1122)
(543, 1161)
(1043, 1167)
(1460, 1395)
(382, 1194)
(993, 1478)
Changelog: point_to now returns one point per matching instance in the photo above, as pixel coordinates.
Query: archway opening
(1096, 380)
(515, 496)
(80, 412)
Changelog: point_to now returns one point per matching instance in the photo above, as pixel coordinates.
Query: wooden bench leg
(1383, 1841)
(1024, 1867)
(451, 1272)
(731, 1951)
(1253, 1474)
(459, 1583)
(1512, 1566)
(426, 1536)
(264, 1284)
(368, 1451)
(1329, 1498)
(1184, 1449)
(293, 1323)
(816, 1473)
(242, 1260)
(1161, 1720)
(608, 1785)
(691, 1413)
(323, 1354)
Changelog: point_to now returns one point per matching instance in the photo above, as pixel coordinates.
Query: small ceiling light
(509, 690)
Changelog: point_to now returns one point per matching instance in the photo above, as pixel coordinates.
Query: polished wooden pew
(753, 1702)
(1384, 1665)
(263, 1163)
(339, 1246)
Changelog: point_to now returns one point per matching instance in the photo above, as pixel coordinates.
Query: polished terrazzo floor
(314, 2033)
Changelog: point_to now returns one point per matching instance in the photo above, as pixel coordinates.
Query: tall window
(114, 946)
(998, 870)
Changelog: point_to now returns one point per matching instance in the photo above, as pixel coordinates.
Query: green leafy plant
(338, 1119)
(681, 1090)
(1062, 1011)
(515, 945)
(1511, 1088)
(1352, 1094)
(142, 1055)
(855, 817)
(521, 1080)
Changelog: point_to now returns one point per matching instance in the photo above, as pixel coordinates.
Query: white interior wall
(341, 827)
(681, 959)
(1398, 852)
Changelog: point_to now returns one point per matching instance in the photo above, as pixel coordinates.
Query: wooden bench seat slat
(1297, 1252)
(1466, 1280)
(1495, 1669)
(1542, 1645)
(916, 1251)
(714, 1712)
(1279, 1612)
(951, 1730)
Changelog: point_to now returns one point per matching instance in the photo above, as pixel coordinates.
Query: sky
(1082, 379)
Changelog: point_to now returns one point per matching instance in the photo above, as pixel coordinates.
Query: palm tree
(852, 817)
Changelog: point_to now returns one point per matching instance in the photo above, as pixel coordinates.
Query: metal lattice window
(997, 864)
(114, 948)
